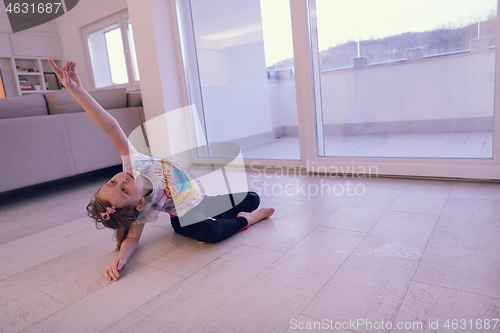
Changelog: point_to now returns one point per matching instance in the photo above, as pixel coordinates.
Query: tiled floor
(426, 145)
(416, 252)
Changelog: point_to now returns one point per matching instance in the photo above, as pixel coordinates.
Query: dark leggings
(223, 209)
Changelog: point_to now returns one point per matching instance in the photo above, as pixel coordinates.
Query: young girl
(149, 185)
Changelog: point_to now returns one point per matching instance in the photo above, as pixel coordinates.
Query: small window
(111, 50)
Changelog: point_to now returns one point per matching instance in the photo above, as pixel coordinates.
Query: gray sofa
(45, 137)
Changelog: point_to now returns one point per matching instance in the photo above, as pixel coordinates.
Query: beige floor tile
(87, 280)
(42, 221)
(403, 250)
(162, 236)
(386, 188)
(291, 222)
(189, 302)
(395, 245)
(35, 256)
(463, 251)
(192, 256)
(461, 267)
(90, 234)
(372, 282)
(322, 251)
(8, 226)
(354, 295)
(356, 219)
(361, 213)
(49, 271)
(296, 277)
(429, 308)
(110, 304)
(41, 238)
(26, 310)
(244, 315)
(476, 190)
(423, 196)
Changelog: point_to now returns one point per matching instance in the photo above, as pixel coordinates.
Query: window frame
(121, 18)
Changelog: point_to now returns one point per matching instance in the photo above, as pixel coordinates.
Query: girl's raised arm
(69, 78)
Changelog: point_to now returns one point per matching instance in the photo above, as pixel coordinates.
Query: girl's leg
(221, 206)
(215, 226)
(210, 231)
(245, 202)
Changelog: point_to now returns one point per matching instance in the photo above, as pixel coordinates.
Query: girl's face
(122, 190)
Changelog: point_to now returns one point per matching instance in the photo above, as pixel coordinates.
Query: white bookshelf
(30, 73)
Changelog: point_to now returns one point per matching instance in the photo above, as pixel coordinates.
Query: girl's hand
(67, 74)
(113, 268)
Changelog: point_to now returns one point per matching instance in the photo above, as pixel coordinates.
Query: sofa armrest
(134, 99)
(34, 150)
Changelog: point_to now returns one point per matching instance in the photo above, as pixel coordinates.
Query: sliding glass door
(407, 87)
(407, 79)
(239, 58)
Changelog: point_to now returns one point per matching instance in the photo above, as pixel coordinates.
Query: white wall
(453, 86)
(458, 86)
(283, 102)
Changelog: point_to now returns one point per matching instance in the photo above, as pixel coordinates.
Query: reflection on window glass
(133, 56)
(116, 56)
(383, 35)
(277, 28)
(433, 97)
(106, 54)
(246, 94)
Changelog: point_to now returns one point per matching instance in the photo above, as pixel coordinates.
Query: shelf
(34, 91)
(39, 68)
(28, 73)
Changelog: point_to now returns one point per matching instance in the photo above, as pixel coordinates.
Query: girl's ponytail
(120, 235)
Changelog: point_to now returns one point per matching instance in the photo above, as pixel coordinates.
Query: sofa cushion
(62, 101)
(91, 148)
(134, 99)
(23, 106)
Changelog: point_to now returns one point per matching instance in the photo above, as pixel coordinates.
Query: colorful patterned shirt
(174, 189)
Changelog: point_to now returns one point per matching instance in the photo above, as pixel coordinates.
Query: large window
(433, 95)
(403, 87)
(385, 32)
(245, 95)
(110, 46)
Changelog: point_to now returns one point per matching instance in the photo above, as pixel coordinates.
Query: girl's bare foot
(257, 215)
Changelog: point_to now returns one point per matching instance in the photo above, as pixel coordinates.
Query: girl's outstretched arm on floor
(69, 78)
(128, 247)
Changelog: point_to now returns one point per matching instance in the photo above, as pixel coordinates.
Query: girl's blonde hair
(120, 220)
